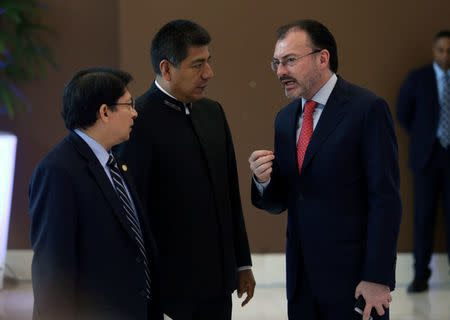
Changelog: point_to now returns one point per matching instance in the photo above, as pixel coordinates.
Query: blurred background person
(423, 108)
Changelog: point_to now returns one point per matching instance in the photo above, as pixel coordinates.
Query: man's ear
(166, 69)
(103, 113)
(324, 58)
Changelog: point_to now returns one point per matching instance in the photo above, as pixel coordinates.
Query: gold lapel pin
(124, 167)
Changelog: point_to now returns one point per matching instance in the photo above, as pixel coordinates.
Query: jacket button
(139, 259)
(300, 197)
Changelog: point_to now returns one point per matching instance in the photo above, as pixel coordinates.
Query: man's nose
(281, 70)
(208, 72)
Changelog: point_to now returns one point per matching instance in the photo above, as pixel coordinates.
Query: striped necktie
(445, 113)
(131, 217)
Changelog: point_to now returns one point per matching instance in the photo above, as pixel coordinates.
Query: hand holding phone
(360, 305)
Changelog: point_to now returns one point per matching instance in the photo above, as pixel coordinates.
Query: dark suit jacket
(167, 188)
(344, 208)
(418, 112)
(86, 262)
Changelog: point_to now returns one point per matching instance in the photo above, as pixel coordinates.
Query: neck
(97, 136)
(323, 79)
(164, 84)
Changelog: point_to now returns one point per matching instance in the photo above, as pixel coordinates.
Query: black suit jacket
(418, 112)
(167, 188)
(86, 262)
(344, 208)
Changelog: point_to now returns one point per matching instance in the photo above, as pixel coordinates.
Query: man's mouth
(288, 83)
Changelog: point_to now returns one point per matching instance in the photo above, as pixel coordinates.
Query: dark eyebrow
(285, 56)
(201, 60)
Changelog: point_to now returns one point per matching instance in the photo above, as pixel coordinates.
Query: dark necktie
(131, 217)
(445, 113)
(305, 132)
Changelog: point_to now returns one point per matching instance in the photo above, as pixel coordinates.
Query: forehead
(126, 96)
(295, 42)
(196, 53)
(443, 42)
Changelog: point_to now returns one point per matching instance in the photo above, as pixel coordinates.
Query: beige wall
(87, 36)
(378, 42)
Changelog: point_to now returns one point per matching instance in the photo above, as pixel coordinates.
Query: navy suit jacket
(86, 262)
(418, 112)
(344, 208)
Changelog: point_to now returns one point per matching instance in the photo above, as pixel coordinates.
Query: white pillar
(8, 144)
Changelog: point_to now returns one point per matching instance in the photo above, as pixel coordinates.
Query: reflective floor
(269, 302)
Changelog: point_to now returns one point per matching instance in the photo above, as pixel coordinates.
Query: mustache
(283, 78)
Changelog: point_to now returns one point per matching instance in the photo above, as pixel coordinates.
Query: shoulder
(62, 158)
(146, 101)
(289, 109)
(356, 94)
(215, 105)
(421, 73)
(207, 107)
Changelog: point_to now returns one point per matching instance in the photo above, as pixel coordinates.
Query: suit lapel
(331, 116)
(101, 179)
(433, 94)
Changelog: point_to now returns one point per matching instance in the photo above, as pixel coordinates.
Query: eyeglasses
(131, 105)
(289, 62)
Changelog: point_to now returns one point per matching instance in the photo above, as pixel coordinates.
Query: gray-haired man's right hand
(261, 164)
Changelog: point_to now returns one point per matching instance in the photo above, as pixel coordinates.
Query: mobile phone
(360, 306)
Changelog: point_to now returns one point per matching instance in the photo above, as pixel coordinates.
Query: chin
(291, 94)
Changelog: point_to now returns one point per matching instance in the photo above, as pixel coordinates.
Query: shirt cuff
(261, 186)
(245, 268)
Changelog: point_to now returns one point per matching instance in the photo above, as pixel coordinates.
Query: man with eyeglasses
(335, 169)
(94, 253)
(182, 159)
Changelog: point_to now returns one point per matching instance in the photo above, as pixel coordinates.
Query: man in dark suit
(182, 159)
(423, 108)
(340, 184)
(94, 256)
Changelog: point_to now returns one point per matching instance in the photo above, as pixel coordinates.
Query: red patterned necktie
(305, 132)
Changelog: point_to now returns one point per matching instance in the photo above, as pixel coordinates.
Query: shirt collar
(162, 89)
(186, 105)
(321, 97)
(100, 152)
(439, 72)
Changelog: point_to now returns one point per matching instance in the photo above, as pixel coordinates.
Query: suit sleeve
(406, 103)
(53, 210)
(380, 162)
(274, 197)
(242, 249)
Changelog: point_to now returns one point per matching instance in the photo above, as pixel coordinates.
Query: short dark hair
(320, 36)
(441, 34)
(87, 90)
(173, 40)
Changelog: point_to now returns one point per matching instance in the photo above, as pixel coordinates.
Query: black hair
(441, 34)
(87, 90)
(321, 38)
(173, 40)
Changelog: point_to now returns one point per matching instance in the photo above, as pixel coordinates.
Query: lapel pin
(124, 167)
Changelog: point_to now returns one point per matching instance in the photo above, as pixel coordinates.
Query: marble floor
(269, 302)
